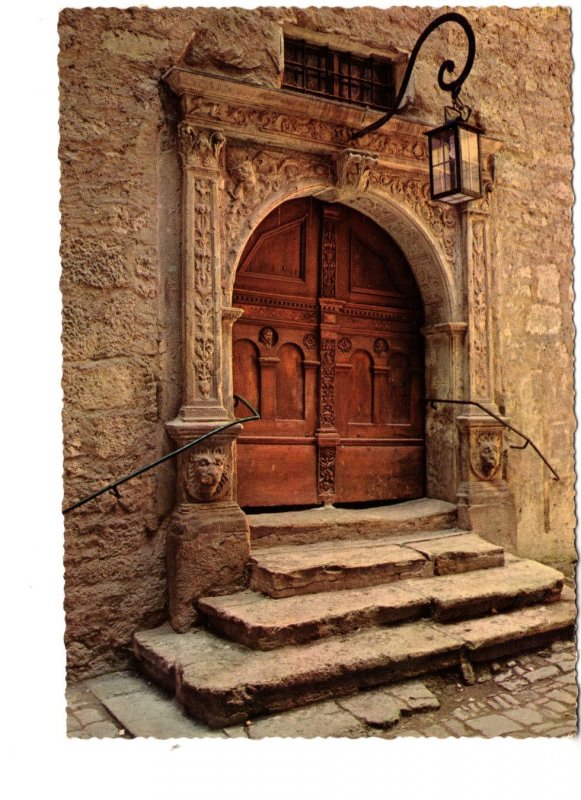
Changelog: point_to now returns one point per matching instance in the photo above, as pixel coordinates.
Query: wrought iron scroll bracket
(447, 66)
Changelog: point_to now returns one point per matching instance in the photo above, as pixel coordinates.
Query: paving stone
(116, 683)
(493, 725)
(567, 680)
(502, 701)
(78, 695)
(563, 647)
(152, 714)
(553, 705)
(376, 708)
(570, 729)
(324, 566)
(463, 553)
(461, 714)
(320, 719)
(483, 674)
(416, 697)
(503, 676)
(455, 727)
(511, 663)
(236, 732)
(519, 671)
(73, 723)
(101, 730)
(561, 695)
(88, 715)
(513, 684)
(541, 673)
(543, 728)
(436, 731)
(526, 716)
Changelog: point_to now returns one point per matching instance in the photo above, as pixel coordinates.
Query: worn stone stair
(325, 617)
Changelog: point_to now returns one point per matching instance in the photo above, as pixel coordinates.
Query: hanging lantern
(454, 152)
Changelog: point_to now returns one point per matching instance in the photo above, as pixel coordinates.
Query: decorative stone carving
(352, 176)
(199, 148)
(442, 434)
(480, 369)
(208, 474)
(344, 344)
(204, 317)
(485, 454)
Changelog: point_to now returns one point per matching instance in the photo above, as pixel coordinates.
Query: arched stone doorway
(329, 349)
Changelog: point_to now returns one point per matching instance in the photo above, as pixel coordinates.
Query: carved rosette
(327, 412)
(327, 461)
(207, 474)
(485, 453)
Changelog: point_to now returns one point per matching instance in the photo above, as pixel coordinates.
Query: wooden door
(329, 350)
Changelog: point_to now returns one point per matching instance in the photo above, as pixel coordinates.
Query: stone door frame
(245, 150)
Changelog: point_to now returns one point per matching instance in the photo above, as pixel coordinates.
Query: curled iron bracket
(452, 86)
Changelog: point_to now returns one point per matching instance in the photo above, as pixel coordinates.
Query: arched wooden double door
(329, 350)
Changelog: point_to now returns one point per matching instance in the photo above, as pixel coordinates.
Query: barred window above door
(344, 76)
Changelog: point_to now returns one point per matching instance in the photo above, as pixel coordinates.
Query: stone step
(264, 623)
(331, 565)
(314, 524)
(223, 683)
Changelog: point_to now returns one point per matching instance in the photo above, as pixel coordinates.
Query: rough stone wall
(121, 275)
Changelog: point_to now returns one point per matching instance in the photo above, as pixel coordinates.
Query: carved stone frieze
(329, 258)
(199, 148)
(207, 475)
(415, 194)
(443, 438)
(485, 453)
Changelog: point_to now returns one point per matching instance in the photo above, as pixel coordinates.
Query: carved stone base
(207, 550)
(488, 508)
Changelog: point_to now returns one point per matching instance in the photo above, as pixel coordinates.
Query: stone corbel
(353, 170)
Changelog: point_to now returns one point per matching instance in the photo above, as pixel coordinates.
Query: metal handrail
(434, 400)
(112, 487)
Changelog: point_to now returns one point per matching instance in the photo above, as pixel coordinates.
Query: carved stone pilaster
(476, 237)
(203, 394)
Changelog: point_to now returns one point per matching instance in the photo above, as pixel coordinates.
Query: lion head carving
(486, 458)
(207, 474)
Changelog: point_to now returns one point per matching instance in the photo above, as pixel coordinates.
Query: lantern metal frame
(459, 192)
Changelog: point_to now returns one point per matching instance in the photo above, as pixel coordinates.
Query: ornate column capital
(199, 148)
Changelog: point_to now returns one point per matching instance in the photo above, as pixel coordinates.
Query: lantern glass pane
(470, 161)
(443, 160)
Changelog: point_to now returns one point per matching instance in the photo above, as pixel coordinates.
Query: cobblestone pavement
(531, 695)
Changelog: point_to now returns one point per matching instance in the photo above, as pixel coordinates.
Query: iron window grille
(343, 76)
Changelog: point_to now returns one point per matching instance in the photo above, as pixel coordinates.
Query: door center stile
(327, 434)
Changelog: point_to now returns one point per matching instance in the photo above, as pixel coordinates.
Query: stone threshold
(313, 524)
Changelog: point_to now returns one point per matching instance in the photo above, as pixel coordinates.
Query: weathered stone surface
(375, 708)
(265, 623)
(148, 713)
(504, 633)
(493, 725)
(323, 720)
(460, 553)
(414, 696)
(304, 527)
(472, 594)
(288, 571)
(206, 550)
(223, 683)
(116, 683)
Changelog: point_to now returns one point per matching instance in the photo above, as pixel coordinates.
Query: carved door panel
(329, 351)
